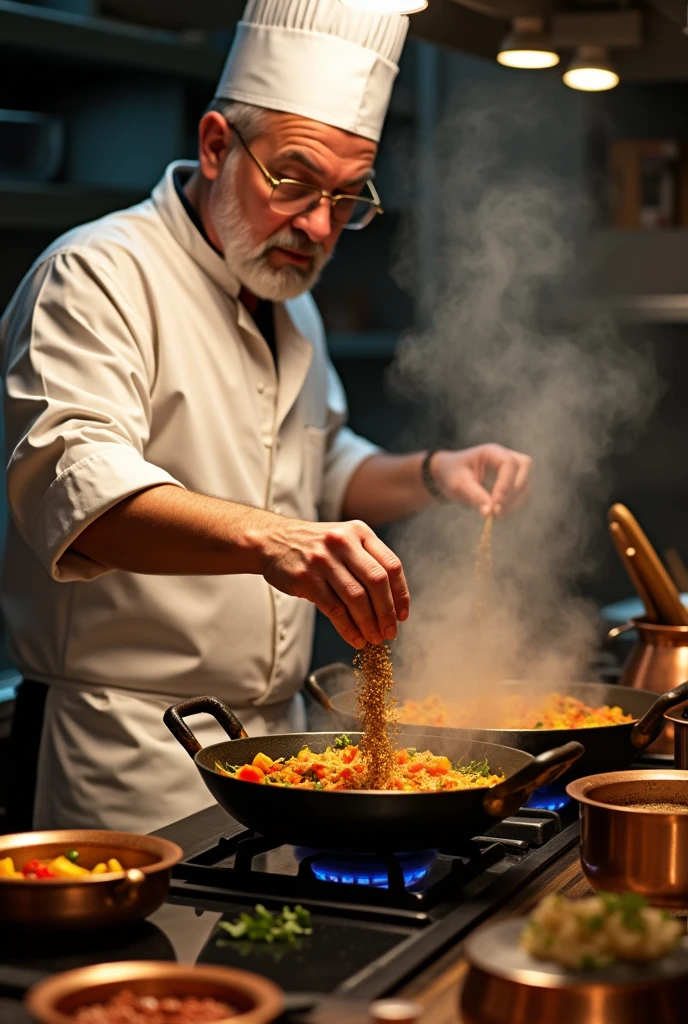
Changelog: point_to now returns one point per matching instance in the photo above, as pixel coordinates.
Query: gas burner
(549, 798)
(374, 870)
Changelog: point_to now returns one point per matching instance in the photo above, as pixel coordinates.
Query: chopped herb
(538, 725)
(72, 855)
(228, 769)
(480, 768)
(411, 751)
(342, 742)
(266, 926)
(318, 784)
(594, 924)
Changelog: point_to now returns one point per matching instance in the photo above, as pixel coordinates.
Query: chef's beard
(247, 260)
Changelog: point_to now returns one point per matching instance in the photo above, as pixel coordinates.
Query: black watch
(429, 480)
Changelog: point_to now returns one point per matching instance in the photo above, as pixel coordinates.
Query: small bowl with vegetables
(82, 878)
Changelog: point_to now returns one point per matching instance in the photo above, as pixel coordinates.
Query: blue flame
(370, 870)
(549, 798)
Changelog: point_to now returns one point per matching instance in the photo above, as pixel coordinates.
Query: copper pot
(92, 901)
(658, 662)
(505, 985)
(628, 846)
(679, 719)
(55, 1000)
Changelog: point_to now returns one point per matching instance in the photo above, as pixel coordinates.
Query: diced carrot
(249, 773)
(413, 768)
(349, 754)
(346, 773)
(440, 767)
(402, 757)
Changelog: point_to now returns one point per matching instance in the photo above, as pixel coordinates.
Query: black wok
(367, 821)
(607, 748)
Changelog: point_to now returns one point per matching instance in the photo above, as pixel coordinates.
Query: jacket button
(261, 388)
(283, 633)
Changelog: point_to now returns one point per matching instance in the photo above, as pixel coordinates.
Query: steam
(504, 359)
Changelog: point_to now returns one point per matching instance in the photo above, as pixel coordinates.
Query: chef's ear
(214, 139)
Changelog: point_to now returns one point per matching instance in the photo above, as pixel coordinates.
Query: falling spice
(483, 570)
(376, 712)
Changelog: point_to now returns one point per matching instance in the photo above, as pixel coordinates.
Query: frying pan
(607, 747)
(367, 820)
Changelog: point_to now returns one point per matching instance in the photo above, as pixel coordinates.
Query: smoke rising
(505, 358)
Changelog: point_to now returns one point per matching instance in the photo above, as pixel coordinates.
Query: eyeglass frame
(273, 182)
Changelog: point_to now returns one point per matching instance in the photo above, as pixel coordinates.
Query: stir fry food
(341, 766)
(63, 866)
(599, 930)
(553, 712)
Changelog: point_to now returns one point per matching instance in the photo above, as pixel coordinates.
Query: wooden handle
(654, 576)
(627, 553)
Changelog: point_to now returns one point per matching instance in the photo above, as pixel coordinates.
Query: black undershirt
(263, 314)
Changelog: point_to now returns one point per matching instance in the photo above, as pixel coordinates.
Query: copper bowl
(90, 902)
(505, 985)
(56, 1000)
(627, 846)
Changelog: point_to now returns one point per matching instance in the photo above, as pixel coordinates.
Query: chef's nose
(317, 223)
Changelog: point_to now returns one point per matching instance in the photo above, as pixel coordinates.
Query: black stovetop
(369, 937)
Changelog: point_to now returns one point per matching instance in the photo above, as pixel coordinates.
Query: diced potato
(99, 869)
(61, 867)
(114, 865)
(7, 868)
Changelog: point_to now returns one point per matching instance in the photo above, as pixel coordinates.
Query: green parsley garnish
(342, 742)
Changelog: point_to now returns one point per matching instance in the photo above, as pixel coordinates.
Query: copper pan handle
(174, 720)
(506, 797)
(126, 891)
(316, 681)
(651, 724)
(627, 554)
(616, 631)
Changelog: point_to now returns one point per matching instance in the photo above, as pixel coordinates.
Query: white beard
(248, 261)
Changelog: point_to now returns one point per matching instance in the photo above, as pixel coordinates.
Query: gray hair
(250, 120)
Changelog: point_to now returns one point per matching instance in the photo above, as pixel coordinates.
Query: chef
(184, 491)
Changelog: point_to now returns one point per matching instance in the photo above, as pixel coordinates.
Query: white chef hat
(316, 58)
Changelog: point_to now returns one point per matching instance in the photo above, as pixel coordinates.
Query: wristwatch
(429, 480)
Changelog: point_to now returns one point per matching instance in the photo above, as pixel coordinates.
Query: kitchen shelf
(640, 274)
(98, 41)
(362, 344)
(57, 206)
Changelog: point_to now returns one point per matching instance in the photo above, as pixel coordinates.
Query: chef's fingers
(395, 574)
(355, 595)
(325, 600)
(503, 485)
(473, 493)
(375, 579)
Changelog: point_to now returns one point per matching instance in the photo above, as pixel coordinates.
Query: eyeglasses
(292, 198)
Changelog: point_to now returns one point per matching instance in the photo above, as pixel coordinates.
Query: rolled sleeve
(79, 365)
(345, 451)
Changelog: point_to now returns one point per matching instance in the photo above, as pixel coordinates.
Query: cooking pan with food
(607, 747)
(362, 820)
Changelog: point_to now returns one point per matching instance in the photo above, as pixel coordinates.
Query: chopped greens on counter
(266, 926)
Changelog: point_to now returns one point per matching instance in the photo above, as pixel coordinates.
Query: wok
(607, 747)
(367, 821)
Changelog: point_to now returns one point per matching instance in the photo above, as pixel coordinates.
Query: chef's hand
(345, 570)
(461, 476)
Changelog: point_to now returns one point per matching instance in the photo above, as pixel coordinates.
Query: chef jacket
(129, 363)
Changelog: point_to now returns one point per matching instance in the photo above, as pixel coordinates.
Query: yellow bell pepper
(114, 865)
(99, 869)
(64, 868)
(7, 869)
(263, 762)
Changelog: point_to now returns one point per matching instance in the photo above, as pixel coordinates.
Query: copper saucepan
(92, 901)
(679, 718)
(634, 833)
(55, 1000)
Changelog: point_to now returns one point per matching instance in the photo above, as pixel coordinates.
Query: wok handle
(506, 797)
(174, 720)
(317, 681)
(651, 724)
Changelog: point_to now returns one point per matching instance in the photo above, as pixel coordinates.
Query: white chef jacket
(129, 362)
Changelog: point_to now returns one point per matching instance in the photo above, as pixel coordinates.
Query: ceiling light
(591, 70)
(527, 46)
(387, 6)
